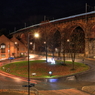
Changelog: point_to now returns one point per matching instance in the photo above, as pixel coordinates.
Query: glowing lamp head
(36, 35)
(68, 40)
(50, 72)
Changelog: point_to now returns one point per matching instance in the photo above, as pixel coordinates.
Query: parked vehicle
(11, 58)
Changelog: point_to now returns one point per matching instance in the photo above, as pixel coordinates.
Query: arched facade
(80, 30)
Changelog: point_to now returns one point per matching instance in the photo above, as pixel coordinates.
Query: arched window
(77, 42)
(3, 46)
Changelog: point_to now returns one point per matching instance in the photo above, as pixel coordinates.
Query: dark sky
(15, 13)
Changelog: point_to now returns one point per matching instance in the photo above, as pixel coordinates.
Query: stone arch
(70, 28)
(76, 34)
(73, 27)
(55, 42)
(57, 38)
(78, 38)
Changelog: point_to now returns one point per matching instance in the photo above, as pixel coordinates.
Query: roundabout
(41, 69)
(9, 81)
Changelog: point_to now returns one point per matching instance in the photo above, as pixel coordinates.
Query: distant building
(11, 48)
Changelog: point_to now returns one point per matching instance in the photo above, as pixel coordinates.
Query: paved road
(87, 78)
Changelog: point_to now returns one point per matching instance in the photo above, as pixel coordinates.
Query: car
(11, 58)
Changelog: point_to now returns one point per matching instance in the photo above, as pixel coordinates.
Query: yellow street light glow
(68, 40)
(36, 35)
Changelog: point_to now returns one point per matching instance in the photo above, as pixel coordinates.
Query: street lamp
(29, 85)
(28, 48)
(28, 68)
(72, 51)
(50, 73)
(68, 41)
(46, 49)
(36, 35)
(16, 44)
(31, 43)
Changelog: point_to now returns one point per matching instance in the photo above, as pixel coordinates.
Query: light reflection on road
(53, 80)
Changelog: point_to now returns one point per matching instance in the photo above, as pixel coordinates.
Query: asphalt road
(83, 79)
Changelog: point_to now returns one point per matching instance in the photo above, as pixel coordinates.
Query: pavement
(85, 90)
(89, 89)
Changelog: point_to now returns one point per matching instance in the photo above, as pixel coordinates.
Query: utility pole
(14, 28)
(28, 68)
(25, 24)
(44, 18)
(45, 40)
(86, 7)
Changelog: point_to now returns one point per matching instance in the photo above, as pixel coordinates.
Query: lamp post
(30, 45)
(46, 49)
(68, 41)
(36, 35)
(16, 44)
(28, 68)
(72, 51)
(32, 84)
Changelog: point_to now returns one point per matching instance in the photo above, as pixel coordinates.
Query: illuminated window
(15, 43)
(2, 55)
(21, 53)
(3, 46)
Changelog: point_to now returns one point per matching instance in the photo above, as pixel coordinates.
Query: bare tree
(76, 44)
(46, 34)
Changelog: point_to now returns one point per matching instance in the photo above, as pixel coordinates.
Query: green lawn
(41, 68)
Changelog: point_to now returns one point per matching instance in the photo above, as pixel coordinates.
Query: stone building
(69, 34)
(11, 47)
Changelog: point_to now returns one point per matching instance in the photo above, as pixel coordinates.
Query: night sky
(15, 14)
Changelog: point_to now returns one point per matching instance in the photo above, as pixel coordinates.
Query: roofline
(69, 17)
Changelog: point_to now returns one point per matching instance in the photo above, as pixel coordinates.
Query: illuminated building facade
(11, 48)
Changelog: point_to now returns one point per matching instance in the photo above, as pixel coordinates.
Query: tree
(46, 27)
(76, 43)
(57, 42)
